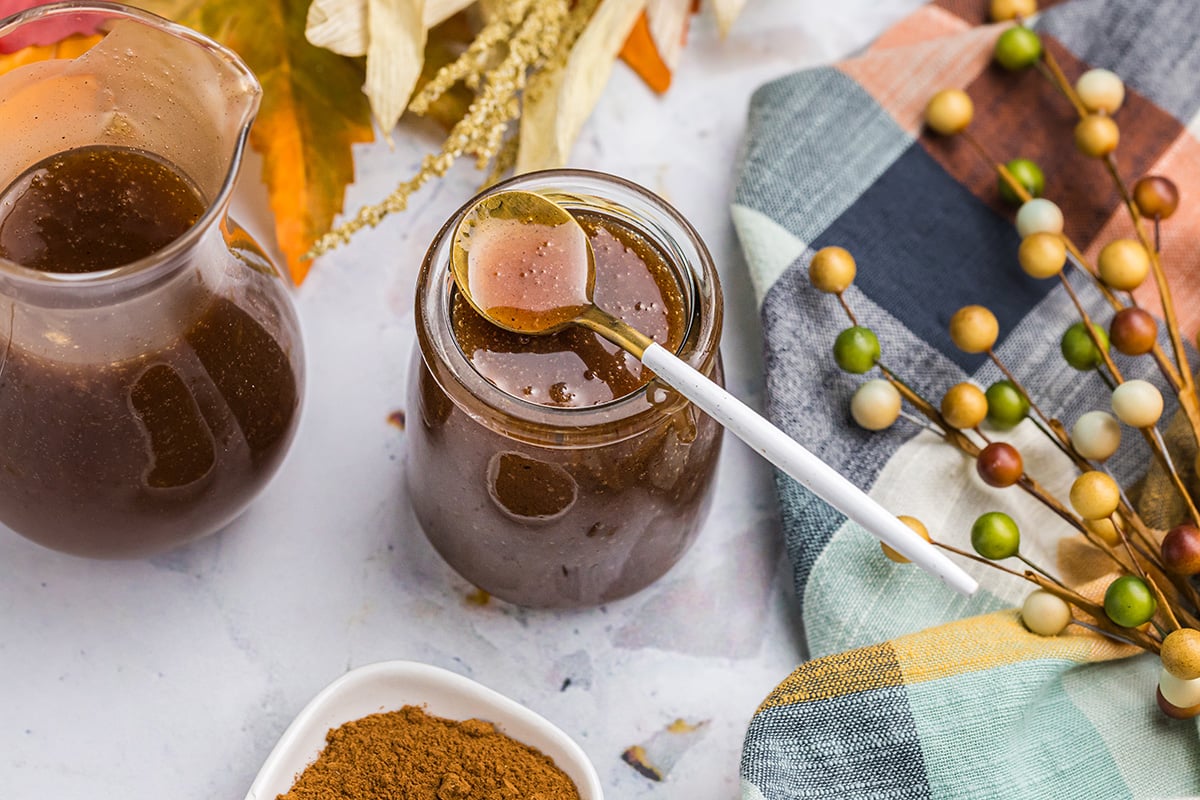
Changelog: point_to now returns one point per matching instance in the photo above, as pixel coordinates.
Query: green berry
(856, 349)
(995, 536)
(1007, 406)
(1078, 348)
(1018, 48)
(1129, 602)
(1028, 174)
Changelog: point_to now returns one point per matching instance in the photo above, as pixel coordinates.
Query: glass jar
(545, 506)
(146, 404)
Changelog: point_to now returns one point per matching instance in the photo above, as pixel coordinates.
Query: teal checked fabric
(913, 691)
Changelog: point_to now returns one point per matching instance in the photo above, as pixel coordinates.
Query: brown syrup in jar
(126, 457)
(552, 515)
(576, 367)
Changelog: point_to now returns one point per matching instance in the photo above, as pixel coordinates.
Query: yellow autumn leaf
(668, 21)
(313, 110)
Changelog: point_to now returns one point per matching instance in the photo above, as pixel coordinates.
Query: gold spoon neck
(615, 330)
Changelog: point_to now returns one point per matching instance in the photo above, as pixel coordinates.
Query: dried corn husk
(668, 26)
(390, 33)
(727, 11)
(341, 25)
(395, 53)
(338, 25)
(558, 101)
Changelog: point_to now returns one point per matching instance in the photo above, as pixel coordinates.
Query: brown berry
(917, 526)
(1000, 465)
(1181, 550)
(1123, 264)
(1175, 712)
(1133, 331)
(1097, 135)
(1181, 653)
(832, 270)
(964, 405)
(1156, 197)
(974, 329)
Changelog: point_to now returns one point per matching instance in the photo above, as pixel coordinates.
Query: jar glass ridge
(611, 495)
(145, 404)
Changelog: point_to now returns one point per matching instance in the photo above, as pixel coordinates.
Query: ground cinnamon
(411, 755)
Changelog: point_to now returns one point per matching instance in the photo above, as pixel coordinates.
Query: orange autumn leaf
(71, 47)
(641, 54)
(313, 111)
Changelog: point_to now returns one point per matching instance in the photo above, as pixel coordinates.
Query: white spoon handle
(812, 473)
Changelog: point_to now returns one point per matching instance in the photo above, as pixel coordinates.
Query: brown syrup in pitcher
(127, 457)
(94, 208)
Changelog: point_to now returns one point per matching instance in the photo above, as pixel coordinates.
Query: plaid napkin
(913, 690)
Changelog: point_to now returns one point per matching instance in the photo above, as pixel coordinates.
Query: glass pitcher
(143, 402)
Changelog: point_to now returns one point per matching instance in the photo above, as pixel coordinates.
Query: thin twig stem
(1036, 568)
(846, 307)
(980, 559)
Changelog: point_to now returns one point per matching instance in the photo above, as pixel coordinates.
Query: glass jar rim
(623, 417)
(147, 269)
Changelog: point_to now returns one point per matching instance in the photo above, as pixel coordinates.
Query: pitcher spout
(146, 84)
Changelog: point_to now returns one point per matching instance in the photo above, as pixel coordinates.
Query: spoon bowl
(524, 263)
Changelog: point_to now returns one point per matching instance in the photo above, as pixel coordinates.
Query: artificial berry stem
(1187, 389)
(952, 549)
(1079, 261)
(1165, 605)
(846, 307)
(1053, 72)
(1160, 280)
(1036, 568)
(1151, 435)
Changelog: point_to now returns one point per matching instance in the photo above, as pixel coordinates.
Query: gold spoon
(525, 264)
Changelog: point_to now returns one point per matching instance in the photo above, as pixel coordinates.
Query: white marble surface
(172, 678)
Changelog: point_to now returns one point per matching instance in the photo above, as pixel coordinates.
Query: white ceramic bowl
(391, 684)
